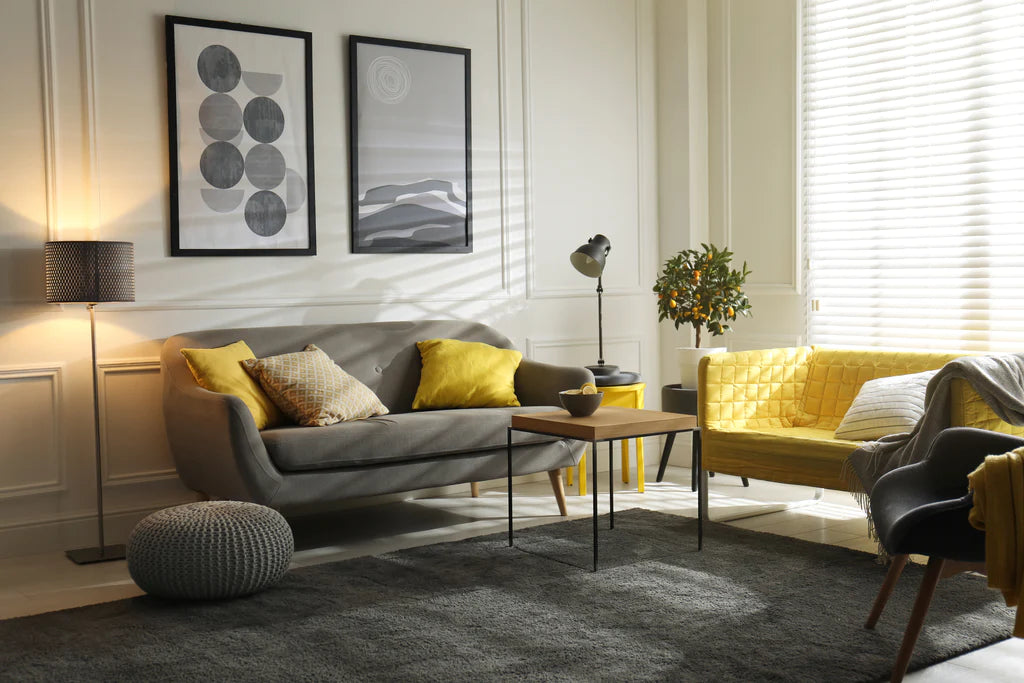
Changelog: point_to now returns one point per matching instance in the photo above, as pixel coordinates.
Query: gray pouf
(210, 550)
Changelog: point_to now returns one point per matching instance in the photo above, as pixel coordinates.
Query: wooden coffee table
(609, 423)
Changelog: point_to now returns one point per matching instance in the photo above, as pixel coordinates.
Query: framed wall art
(240, 123)
(409, 146)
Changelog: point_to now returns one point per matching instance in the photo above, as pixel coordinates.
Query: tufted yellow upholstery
(771, 414)
(834, 377)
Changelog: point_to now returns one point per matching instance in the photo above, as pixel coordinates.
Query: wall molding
(504, 184)
(535, 343)
(532, 290)
(726, 104)
(763, 340)
(86, 30)
(54, 372)
(794, 286)
(105, 369)
(526, 69)
(51, 136)
(641, 177)
(305, 302)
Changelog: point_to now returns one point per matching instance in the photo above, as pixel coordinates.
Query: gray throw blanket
(999, 380)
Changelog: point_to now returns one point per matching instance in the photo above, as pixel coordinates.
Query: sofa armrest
(213, 438)
(538, 384)
(751, 388)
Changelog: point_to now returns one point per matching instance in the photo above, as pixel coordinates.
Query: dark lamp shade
(589, 259)
(89, 271)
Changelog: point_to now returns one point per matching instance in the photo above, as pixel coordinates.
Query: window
(913, 172)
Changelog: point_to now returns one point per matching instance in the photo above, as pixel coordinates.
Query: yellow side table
(627, 396)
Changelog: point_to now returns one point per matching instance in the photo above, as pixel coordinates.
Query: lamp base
(96, 554)
(602, 369)
(610, 376)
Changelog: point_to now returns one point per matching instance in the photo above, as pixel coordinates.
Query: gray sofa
(220, 453)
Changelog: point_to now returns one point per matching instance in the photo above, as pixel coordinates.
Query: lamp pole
(96, 427)
(600, 324)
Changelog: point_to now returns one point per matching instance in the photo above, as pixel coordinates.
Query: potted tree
(698, 288)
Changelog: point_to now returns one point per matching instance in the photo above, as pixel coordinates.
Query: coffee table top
(609, 422)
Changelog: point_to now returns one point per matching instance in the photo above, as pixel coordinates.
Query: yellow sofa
(772, 414)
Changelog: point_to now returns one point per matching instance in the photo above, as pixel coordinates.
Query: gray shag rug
(750, 607)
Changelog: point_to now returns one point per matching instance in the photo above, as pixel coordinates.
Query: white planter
(688, 358)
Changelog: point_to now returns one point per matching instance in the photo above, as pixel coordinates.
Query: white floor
(41, 583)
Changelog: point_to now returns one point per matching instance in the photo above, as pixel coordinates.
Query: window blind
(913, 173)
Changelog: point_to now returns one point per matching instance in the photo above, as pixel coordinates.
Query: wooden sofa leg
(895, 569)
(474, 489)
(556, 485)
(921, 605)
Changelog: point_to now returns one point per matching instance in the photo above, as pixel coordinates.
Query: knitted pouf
(210, 550)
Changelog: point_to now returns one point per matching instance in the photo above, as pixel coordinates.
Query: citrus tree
(698, 288)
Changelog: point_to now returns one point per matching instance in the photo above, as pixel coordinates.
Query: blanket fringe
(856, 489)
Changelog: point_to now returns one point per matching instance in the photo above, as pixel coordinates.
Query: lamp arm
(600, 324)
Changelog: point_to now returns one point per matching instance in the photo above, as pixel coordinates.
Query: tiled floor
(40, 583)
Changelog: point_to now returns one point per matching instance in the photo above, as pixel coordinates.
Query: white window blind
(913, 172)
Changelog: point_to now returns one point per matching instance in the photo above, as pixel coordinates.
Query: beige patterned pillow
(312, 390)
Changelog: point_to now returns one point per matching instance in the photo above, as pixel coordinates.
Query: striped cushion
(888, 405)
(312, 389)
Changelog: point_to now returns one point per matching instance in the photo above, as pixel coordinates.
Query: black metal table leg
(593, 449)
(508, 448)
(702, 490)
(669, 441)
(694, 455)
(611, 486)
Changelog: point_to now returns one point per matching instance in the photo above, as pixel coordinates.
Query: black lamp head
(590, 258)
(89, 271)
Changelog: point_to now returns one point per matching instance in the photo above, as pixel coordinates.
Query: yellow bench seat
(790, 455)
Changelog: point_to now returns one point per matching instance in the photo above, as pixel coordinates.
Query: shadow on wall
(22, 290)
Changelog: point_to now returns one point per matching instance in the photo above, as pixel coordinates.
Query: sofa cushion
(312, 390)
(835, 376)
(220, 369)
(396, 438)
(461, 374)
(790, 455)
(883, 406)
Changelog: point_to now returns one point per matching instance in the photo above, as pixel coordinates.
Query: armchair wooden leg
(895, 569)
(924, 600)
(474, 489)
(556, 484)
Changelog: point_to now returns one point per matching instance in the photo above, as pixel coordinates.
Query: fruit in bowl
(581, 402)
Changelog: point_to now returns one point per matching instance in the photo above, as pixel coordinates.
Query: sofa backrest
(383, 355)
(834, 376)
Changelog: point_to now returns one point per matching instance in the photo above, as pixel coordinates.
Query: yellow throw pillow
(221, 370)
(312, 390)
(458, 374)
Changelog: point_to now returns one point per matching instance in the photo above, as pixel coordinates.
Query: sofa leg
(556, 485)
(474, 489)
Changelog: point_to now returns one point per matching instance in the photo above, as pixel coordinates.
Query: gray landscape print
(426, 214)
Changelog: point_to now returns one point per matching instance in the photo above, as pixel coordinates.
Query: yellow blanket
(998, 486)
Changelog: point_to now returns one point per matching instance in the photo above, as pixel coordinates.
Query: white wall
(753, 157)
(564, 147)
(727, 159)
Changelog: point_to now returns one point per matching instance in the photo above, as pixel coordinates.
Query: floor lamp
(89, 273)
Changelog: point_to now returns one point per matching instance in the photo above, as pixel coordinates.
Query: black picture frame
(435, 213)
(221, 202)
